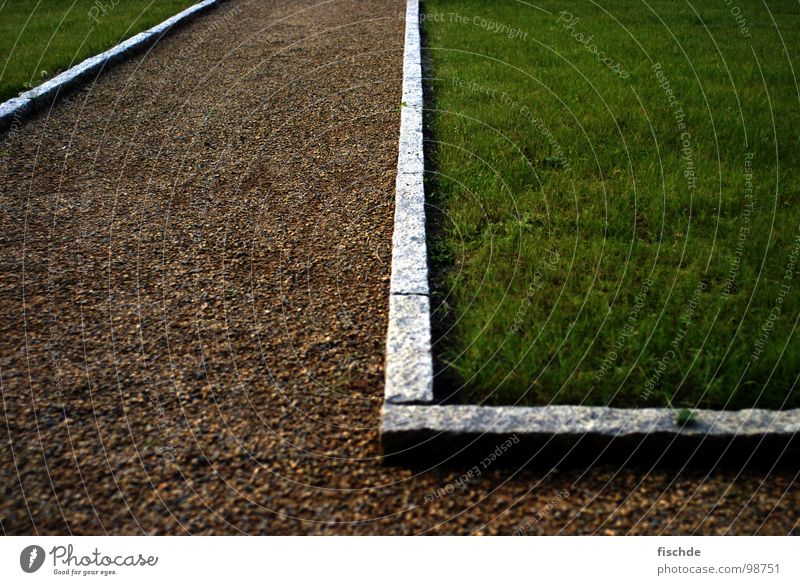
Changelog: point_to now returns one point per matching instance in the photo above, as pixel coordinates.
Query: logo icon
(31, 558)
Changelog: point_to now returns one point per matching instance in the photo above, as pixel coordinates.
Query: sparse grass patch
(619, 191)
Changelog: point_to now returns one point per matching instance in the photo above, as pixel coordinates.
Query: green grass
(586, 253)
(41, 38)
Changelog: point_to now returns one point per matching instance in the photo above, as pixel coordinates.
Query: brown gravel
(193, 292)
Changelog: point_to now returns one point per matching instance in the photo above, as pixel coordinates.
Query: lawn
(615, 202)
(41, 38)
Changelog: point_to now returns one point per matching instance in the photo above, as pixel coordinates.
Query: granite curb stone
(26, 104)
(409, 360)
(412, 422)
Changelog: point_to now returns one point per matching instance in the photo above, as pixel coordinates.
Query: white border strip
(557, 434)
(410, 420)
(409, 362)
(409, 253)
(594, 420)
(24, 105)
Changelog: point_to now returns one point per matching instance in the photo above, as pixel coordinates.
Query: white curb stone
(559, 433)
(19, 108)
(409, 361)
(409, 372)
(14, 109)
(409, 250)
(547, 421)
(411, 422)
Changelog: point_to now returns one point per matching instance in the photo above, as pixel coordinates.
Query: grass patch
(618, 188)
(41, 38)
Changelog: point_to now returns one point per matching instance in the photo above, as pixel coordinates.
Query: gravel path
(193, 290)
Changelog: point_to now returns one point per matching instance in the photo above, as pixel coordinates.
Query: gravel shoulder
(194, 276)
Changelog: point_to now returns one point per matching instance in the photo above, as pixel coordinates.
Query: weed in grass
(685, 417)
